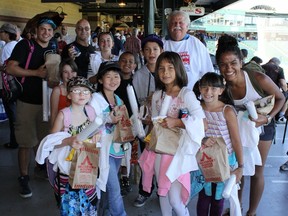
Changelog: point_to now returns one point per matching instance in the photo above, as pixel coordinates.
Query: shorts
(269, 132)
(29, 126)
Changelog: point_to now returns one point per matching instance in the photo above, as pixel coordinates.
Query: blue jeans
(112, 199)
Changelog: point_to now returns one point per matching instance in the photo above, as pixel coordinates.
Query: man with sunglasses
(80, 49)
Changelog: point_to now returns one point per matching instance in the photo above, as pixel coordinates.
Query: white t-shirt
(5, 54)
(6, 51)
(195, 57)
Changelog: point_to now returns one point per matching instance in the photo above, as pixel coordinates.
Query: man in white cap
(29, 126)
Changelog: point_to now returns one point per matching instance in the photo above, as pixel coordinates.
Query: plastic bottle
(251, 109)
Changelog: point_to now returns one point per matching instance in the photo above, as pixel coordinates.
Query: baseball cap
(275, 60)
(47, 21)
(106, 66)
(8, 27)
(79, 81)
(152, 38)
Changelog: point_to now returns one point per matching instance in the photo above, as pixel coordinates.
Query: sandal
(284, 167)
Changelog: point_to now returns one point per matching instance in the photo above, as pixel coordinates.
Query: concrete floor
(42, 203)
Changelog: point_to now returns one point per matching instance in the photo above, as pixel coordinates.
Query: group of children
(76, 102)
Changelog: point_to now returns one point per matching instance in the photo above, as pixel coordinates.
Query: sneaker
(41, 172)
(281, 120)
(140, 201)
(25, 190)
(284, 167)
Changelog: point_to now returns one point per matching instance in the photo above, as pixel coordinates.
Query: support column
(149, 20)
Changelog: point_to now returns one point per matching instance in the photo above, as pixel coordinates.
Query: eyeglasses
(78, 91)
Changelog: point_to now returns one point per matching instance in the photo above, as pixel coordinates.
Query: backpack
(256, 85)
(12, 87)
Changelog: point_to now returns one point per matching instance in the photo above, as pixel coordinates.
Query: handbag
(164, 140)
(265, 105)
(123, 130)
(52, 62)
(213, 161)
(12, 87)
(84, 167)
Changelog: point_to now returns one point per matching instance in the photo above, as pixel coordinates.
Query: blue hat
(152, 38)
(47, 21)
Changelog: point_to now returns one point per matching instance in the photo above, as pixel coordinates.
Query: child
(106, 102)
(222, 122)
(173, 171)
(58, 99)
(143, 79)
(144, 85)
(72, 120)
(127, 64)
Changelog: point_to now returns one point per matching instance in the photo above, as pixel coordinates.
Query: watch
(269, 119)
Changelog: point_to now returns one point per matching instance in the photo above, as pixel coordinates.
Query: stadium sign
(193, 11)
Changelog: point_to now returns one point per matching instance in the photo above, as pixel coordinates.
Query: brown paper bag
(213, 161)
(123, 130)
(52, 62)
(265, 105)
(164, 140)
(84, 167)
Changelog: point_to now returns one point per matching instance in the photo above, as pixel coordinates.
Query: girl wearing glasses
(73, 120)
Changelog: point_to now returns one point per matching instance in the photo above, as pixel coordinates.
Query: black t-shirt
(32, 87)
(118, 46)
(121, 91)
(274, 72)
(83, 60)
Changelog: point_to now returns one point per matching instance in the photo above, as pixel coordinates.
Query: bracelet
(241, 166)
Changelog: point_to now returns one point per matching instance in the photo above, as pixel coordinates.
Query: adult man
(29, 126)
(65, 36)
(133, 44)
(194, 54)
(276, 73)
(8, 33)
(80, 49)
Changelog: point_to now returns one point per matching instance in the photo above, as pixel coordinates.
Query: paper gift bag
(213, 161)
(52, 62)
(84, 167)
(123, 130)
(164, 140)
(265, 105)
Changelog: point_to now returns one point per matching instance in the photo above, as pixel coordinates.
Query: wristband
(240, 166)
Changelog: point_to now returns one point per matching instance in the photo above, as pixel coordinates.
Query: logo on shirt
(185, 57)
